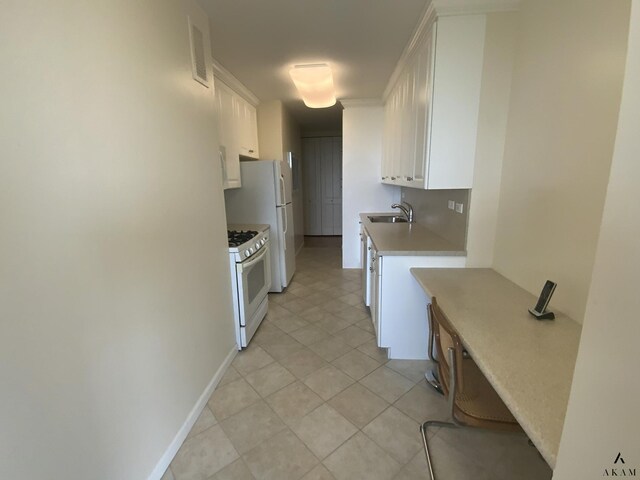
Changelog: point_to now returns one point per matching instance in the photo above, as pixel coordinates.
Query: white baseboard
(175, 444)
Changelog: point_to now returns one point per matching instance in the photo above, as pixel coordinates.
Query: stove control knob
(246, 254)
(251, 250)
(263, 241)
(257, 245)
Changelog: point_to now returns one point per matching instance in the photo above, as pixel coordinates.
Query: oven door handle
(243, 266)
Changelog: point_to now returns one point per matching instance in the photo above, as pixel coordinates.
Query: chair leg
(425, 441)
(432, 379)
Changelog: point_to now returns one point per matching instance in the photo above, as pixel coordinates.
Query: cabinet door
(376, 297)
(409, 123)
(424, 64)
(394, 132)
(373, 292)
(247, 128)
(387, 141)
(364, 262)
(457, 86)
(229, 151)
(252, 121)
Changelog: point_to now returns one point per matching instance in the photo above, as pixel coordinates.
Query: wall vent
(198, 58)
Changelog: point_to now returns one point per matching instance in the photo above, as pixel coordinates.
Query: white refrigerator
(265, 197)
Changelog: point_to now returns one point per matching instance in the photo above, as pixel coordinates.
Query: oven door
(254, 281)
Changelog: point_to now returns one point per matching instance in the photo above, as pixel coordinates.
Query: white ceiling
(259, 40)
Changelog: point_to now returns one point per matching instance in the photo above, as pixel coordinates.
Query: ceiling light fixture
(315, 84)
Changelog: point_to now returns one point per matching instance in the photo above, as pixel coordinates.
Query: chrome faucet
(407, 210)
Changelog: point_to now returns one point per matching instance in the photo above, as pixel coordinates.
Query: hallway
(313, 397)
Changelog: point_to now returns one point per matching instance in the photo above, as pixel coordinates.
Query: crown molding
(232, 82)
(361, 102)
(474, 7)
(443, 8)
(424, 24)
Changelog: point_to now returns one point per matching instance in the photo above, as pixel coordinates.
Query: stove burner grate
(238, 237)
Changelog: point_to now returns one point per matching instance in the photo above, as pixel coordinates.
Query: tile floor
(313, 397)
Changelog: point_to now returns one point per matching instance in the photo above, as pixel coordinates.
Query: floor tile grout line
(326, 402)
(349, 293)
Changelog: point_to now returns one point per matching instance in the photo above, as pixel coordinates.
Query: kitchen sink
(386, 219)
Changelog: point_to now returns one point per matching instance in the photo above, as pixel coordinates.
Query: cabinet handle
(409, 179)
(393, 178)
(371, 269)
(250, 151)
(368, 248)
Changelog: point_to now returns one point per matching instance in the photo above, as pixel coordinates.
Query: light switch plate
(459, 207)
(452, 205)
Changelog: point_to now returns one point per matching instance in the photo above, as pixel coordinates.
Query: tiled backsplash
(431, 209)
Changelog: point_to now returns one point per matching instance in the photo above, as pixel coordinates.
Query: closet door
(331, 185)
(322, 159)
(312, 193)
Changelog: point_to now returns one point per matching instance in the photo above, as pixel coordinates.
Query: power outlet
(459, 207)
(452, 205)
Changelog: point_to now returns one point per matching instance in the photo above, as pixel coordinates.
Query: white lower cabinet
(365, 246)
(374, 290)
(399, 305)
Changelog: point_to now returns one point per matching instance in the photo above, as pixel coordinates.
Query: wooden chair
(472, 400)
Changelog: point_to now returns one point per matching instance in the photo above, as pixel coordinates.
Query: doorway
(322, 172)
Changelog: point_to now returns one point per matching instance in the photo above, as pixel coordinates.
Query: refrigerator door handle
(286, 227)
(283, 195)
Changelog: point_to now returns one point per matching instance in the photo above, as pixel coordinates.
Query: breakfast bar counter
(529, 362)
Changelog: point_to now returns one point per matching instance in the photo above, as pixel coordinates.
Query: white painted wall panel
(361, 165)
(115, 303)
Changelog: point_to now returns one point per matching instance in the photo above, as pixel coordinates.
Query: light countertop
(408, 239)
(529, 362)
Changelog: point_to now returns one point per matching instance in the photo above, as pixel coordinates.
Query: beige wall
(499, 53)
(279, 133)
(602, 418)
(115, 304)
(563, 111)
(431, 209)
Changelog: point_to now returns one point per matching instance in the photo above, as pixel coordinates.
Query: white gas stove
(250, 267)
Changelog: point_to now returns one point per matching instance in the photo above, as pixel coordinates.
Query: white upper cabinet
(248, 120)
(431, 113)
(238, 132)
(229, 152)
